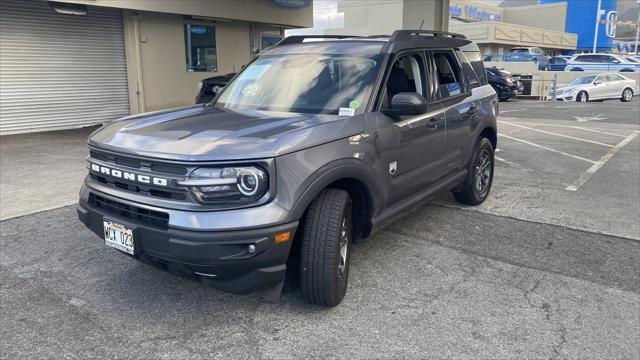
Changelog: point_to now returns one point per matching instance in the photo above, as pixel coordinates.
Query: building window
(200, 47)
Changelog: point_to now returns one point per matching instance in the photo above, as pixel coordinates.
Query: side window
(601, 79)
(448, 75)
(476, 63)
(467, 70)
(200, 47)
(406, 75)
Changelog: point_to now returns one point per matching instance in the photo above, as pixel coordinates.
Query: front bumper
(220, 259)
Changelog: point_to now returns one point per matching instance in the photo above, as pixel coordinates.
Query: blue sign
(581, 20)
(292, 3)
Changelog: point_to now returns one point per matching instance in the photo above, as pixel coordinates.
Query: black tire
(470, 193)
(327, 231)
(582, 96)
(627, 95)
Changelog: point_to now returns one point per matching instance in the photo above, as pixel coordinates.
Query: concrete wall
(164, 80)
(364, 17)
(249, 10)
(550, 16)
(492, 32)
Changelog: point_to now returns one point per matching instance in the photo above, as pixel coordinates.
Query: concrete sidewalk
(41, 171)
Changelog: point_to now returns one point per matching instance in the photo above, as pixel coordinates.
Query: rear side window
(475, 60)
(449, 75)
(467, 70)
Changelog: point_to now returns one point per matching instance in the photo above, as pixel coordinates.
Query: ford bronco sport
(318, 142)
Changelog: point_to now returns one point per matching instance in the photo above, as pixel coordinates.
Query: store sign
(292, 3)
(473, 12)
(612, 22)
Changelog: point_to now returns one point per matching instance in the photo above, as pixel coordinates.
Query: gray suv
(318, 142)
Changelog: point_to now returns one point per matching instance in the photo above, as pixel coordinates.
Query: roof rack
(296, 39)
(400, 35)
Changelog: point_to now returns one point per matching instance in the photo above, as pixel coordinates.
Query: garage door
(60, 71)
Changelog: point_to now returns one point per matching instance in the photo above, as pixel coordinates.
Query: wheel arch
(353, 179)
(491, 134)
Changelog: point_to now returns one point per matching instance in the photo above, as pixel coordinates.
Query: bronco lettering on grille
(129, 175)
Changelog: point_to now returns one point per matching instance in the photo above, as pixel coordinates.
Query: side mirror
(406, 103)
(597, 82)
(616, 61)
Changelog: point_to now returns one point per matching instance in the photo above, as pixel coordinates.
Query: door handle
(432, 125)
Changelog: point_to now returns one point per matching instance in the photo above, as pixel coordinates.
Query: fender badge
(393, 167)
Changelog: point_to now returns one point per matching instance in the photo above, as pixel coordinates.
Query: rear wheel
(326, 248)
(627, 95)
(476, 186)
(582, 97)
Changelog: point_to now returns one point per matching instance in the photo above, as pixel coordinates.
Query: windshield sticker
(354, 104)
(255, 72)
(454, 88)
(346, 112)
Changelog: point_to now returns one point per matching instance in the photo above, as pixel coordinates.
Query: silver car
(598, 87)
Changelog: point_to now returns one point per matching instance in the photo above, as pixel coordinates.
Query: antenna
(422, 23)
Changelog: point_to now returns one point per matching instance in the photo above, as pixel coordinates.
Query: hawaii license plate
(118, 236)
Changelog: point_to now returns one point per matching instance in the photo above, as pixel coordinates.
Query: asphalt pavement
(547, 267)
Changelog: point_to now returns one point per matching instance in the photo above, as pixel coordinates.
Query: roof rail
(296, 39)
(399, 35)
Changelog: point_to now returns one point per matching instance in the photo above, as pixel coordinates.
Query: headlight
(228, 185)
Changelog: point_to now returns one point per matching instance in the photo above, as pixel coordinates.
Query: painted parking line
(594, 130)
(557, 134)
(546, 148)
(584, 177)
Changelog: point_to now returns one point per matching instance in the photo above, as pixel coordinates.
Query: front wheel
(477, 184)
(326, 248)
(627, 95)
(582, 97)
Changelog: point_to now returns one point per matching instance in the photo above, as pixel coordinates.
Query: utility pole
(595, 36)
(638, 29)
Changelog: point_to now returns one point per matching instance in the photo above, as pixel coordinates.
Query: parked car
(209, 87)
(557, 63)
(312, 145)
(505, 85)
(534, 54)
(601, 62)
(598, 87)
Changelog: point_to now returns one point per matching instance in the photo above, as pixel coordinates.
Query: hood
(571, 88)
(207, 133)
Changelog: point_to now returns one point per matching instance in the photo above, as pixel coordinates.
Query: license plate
(118, 236)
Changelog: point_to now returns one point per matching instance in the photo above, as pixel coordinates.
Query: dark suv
(320, 141)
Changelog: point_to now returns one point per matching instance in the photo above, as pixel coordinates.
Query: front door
(410, 148)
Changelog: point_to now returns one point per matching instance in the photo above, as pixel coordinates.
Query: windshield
(630, 59)
(304, 83)
(583, 80)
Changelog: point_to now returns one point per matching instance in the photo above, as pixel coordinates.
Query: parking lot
(547, 267)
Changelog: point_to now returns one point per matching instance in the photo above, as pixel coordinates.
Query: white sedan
(598, 87)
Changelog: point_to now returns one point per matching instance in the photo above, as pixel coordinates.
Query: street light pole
(595, 36)
(638, 29)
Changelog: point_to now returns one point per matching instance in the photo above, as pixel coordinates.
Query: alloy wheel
(627, 95)
(345, 238)
(483, 172)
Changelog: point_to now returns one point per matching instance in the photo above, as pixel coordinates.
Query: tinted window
(476, 63)
(467, 70)
(449, 76)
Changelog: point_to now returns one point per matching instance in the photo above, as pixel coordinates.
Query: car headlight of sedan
(228, 185)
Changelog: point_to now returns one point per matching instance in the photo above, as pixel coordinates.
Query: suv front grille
(133, 163)
(137, 214)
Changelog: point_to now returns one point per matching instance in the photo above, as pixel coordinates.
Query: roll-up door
(60, 71)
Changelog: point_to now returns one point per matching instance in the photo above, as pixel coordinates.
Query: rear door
(452, 92)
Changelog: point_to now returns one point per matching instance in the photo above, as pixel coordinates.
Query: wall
(581, 16)
(549, 16)
(165, 79)
(491, 32)
(380, 17)
(249, 10)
